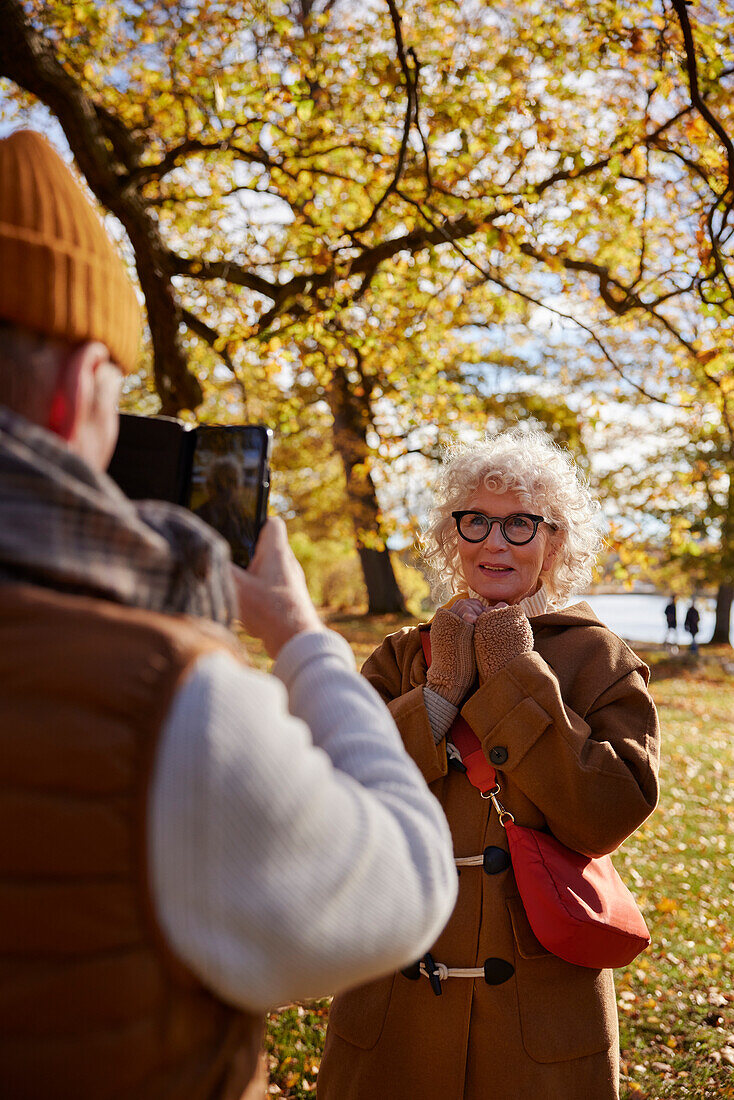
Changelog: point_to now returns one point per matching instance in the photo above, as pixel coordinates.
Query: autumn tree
(341, 211)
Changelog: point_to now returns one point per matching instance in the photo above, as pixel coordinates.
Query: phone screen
(230, 479)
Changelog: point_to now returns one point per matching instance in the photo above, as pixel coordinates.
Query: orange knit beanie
(60, 274)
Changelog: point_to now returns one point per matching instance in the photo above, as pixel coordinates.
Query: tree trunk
(384, 595)
(724, 598)
(725, 593)
(29, 59)
(351, 411)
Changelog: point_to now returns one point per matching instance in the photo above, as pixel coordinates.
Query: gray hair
(29, 369)
(548, 482)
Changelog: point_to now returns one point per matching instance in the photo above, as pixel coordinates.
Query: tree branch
(173, 157)
(493, 277)
(227, 270)
(696, 97)
(27, 58)
(707, 114)
(211, 337)
(629, 300)
(410, 110)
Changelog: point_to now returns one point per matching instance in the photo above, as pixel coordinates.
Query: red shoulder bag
(578, 907)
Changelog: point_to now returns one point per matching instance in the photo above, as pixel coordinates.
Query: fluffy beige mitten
(452, 656)
(499, 636)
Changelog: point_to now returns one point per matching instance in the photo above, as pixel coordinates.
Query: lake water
(640, 617)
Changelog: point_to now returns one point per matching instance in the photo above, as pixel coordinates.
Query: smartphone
(229, 483)
(222, 473)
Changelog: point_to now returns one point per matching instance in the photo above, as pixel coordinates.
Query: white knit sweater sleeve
(294, 847)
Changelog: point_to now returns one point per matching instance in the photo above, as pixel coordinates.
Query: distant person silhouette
(691, 625)
(671, 621)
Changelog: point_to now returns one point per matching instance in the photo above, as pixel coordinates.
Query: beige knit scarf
(537, 604)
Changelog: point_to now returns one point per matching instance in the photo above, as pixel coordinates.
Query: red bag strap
(479, 771)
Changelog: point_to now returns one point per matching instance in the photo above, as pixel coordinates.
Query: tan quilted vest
(92, 1002)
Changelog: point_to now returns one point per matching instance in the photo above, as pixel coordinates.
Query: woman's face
(495, 568)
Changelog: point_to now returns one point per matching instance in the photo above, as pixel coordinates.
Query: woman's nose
(495, 538)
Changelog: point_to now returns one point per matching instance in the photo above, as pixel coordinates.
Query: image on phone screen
(229, 484)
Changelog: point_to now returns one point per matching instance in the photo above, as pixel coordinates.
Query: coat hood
(577, 614)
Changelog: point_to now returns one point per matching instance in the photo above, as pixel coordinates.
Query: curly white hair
(548, 482)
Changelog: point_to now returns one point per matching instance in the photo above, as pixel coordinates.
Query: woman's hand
(453, 667)
(500, 635)
(469, 610)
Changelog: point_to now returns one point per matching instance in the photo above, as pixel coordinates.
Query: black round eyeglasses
(517, 529)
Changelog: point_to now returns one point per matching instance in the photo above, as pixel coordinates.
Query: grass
(676, 1003)
(676, 1006)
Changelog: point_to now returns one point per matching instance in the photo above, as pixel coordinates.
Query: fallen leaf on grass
(717, 998)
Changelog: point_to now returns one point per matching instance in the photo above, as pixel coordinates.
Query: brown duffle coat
(573, 734)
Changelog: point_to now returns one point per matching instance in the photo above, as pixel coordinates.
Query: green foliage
(678, 529)
(676, 1005)
(413, 585)
(335, 581)
(332, 571)
(387, 230)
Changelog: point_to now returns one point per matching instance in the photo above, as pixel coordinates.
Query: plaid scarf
(65, 526)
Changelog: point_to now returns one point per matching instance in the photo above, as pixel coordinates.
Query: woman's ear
(550, 554)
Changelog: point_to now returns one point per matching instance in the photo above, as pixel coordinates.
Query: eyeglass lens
(517, 528)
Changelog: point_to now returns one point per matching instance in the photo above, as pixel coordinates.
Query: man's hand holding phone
(220, 472)
(274, 604)
(223, 474)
